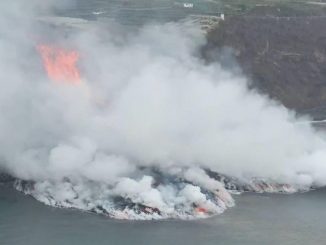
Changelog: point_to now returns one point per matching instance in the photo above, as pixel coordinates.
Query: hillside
(285, 57)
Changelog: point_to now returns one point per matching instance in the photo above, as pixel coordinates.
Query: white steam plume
(147, 99)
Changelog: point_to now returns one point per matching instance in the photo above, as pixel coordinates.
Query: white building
(188, 5)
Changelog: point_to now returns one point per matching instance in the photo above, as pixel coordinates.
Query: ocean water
(256, 219)
(135, 12)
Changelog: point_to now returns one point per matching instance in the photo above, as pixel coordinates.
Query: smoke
(146, 100)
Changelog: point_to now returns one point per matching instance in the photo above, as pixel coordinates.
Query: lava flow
(60, 64)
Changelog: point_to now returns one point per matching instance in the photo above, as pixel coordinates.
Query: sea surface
(256, 219)
(138, 12)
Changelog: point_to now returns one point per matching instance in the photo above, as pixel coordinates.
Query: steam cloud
(146, 101)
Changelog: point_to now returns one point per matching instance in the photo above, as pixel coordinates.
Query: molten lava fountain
(60, 64)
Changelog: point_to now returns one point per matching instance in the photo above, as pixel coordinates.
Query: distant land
(282, 49)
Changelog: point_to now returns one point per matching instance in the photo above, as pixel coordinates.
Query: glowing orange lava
(60, 64)
(201, 210)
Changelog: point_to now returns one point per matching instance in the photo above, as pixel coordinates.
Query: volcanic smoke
(173, 136)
